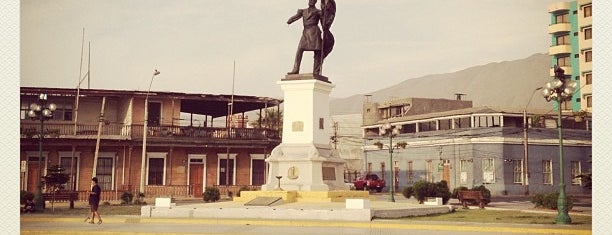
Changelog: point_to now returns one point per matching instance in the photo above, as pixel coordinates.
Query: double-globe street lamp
(560, 90)
(391, 131)
(144, 134)
(42, 111)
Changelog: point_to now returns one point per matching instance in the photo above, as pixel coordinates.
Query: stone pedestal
(305, 159)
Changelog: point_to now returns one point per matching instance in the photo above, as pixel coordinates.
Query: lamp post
(144, 134)
(560, 90)
(526, 144)
(391, 131)
(41, 111)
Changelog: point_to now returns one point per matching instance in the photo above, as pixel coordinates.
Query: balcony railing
(67, 130)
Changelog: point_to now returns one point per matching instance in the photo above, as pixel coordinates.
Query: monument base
(304, 196)
(305, 167)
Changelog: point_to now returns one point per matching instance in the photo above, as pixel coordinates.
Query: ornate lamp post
(560, 90)
(144, 134)
(42, 111)
(391, 131)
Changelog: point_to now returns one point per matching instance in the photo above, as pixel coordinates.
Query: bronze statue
(311, 35)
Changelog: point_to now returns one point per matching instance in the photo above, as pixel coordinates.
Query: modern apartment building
(571, 48)
(190, 144)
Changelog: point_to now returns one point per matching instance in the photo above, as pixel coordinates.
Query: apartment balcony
(567, 69)
(31, 129)
(558, 7)
(560, 49)
(559, 28)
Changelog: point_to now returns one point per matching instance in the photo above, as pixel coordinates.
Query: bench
(62, 196)
(469, 195)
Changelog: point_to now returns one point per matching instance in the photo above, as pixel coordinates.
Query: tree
(55, 180)
(271, 118)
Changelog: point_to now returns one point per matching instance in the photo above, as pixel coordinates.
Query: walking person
(94, 201)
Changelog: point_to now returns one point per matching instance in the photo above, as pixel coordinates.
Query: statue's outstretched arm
(297, 16)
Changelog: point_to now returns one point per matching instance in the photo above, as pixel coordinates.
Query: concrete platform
(295, 211)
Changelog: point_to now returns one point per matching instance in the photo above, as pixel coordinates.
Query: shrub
(549, 200)
(25, 195)
(423, 189)
(242, 188)
(211, 194)
(455, 193)
(127, 197)
(407, 192)
(106, 203)
(140, 199)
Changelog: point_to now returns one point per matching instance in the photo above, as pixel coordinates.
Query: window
(563, 39)
(547, 175)
(65, 161)
(588, 78)
(562, 18)
(587, 10)
(518, 171)
(464, 169)
(588, 56)
(396, 175)
(589, 99)
(588, 33)
(154, 112)
(321, 124)
(226, 171)
(488, 171)
(563, 61)
(410, 173)
(369, 167)
(258, 168)
(429, 171)
(382, 169)
(156, 166)
(104, 172)
(576, 171)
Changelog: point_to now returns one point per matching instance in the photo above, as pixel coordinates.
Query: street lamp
(391, 131)
(144, 134)
(41, 111)
(560, 90)
(526, 144)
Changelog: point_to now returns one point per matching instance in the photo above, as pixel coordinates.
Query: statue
(311, 35)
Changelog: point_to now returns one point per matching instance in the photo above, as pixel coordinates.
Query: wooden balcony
(30, 129)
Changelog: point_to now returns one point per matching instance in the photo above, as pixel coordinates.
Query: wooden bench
(62, 196)
(467, 195)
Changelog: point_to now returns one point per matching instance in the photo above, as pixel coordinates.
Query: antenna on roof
(459, 95)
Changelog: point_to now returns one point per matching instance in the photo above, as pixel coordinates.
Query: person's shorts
(94, 207)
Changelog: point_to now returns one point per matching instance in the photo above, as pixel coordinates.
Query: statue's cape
(329, 13)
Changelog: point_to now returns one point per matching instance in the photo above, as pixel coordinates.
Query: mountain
(500, 84)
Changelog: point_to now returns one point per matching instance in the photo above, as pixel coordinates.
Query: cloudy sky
(195, 43)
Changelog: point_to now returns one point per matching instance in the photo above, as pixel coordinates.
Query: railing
(167, 190)
(104, 195)
(225, 189)
(31, 129)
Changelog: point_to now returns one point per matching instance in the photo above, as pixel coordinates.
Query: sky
(194, 44)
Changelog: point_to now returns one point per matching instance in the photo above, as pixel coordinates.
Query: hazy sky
(194, 43)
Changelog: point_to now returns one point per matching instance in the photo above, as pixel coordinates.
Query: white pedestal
(305, 159)
(357, 203)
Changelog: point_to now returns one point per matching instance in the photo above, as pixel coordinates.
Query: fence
(233, 189)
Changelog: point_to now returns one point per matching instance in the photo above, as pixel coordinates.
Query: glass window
(488, 170)
(589, 78)
(587, 10)
(588, 33)
(410, 173)
(429, 171)
(226, 171)
(65, 164)
(562, 18)
(589, 101)
(588, 56)
(576, 171)
(259, 167)
(382, 169)
(518, 171)
(464, 168)
(104, 172)
(563, 61)
(547, 172)
(156, 171)
(563, 39)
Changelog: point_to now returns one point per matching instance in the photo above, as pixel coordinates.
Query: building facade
(571, 30)
(191, 143)
(480, 146)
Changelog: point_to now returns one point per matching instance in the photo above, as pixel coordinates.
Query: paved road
(134, 225)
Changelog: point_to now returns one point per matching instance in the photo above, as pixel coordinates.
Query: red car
(369, 182)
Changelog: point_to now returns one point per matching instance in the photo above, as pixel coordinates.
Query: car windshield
(372, 177)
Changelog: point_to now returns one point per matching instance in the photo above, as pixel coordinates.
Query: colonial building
(190, 141)
(476, 146)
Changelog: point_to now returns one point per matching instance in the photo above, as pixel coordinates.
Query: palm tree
(271, 119)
